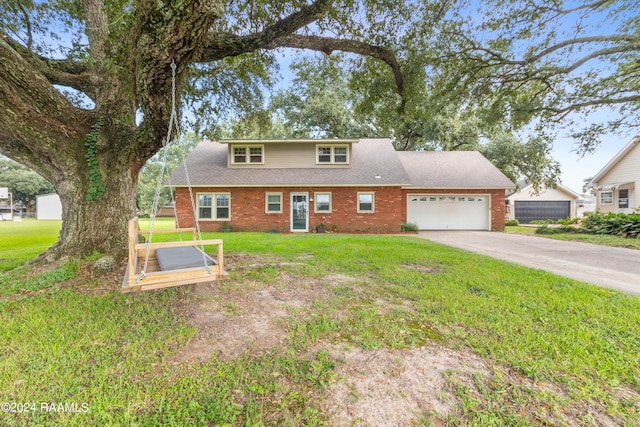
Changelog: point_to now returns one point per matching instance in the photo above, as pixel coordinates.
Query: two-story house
(348, 185)
(617, 184)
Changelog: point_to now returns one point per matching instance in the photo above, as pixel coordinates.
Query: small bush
(512, 223)
(410, 226)
(545, 229)
(569, 221)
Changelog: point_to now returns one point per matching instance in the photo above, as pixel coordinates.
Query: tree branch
(34, 115)
(591, 103)
(582, 40)
(222, 45)
(327, 45)
(97, 28)
(64, 72)
(27, 21)
(591, 6)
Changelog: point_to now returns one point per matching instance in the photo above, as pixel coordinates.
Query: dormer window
(245, 154)
(332, 154)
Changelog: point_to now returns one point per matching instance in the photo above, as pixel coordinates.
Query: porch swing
(156, 265)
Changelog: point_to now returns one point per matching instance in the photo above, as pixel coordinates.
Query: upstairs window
(332, 154)
(245, 154)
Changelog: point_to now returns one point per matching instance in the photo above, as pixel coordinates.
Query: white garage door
(448, 212)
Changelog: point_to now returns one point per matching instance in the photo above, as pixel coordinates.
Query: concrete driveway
(615, 268)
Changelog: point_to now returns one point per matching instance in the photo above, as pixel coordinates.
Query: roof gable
(529, 187)
(634, 144)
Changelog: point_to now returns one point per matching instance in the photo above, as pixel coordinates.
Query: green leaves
(617, 224)
(22, 182)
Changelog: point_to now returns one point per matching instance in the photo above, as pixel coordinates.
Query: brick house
(350, 185)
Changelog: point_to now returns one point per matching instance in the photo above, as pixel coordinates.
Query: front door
(299, 212)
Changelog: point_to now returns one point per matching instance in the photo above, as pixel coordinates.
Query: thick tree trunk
(90, 226)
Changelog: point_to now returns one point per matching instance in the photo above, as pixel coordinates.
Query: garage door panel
(448, 212)
(530, 210)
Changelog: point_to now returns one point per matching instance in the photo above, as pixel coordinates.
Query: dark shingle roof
(452, 169)
(374, 162)
(207, 166)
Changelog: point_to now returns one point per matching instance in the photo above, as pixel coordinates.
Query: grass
(23, 240)
(112, 351)
(605, 240)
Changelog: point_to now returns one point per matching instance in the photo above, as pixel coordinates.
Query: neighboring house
(346, 184)
(586, 203)
(527, 205)
(617, 185)
(6, 212)
(48, 206)
(167, 211)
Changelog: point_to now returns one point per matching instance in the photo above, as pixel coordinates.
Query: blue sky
(576, 169)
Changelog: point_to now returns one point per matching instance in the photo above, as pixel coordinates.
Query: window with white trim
(247, 154)
(366, 202)
(606, 197)
(214, 206)
(332, 154)
(322, 202)
(623, 199)
(273, 202)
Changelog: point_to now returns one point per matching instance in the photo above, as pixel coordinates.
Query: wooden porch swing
(156, 265)
(170, 263)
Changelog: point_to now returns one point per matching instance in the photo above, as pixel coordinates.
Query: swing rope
(173, 121)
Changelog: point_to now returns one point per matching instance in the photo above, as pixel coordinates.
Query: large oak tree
(85, 85)
(88, 117)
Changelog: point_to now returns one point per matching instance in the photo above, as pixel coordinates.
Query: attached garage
(527, 211)
(449, 212)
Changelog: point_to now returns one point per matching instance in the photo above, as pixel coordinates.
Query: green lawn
(604, 240)
(555, 346)
(23, 240)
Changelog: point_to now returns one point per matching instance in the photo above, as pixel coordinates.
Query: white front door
(300, 212)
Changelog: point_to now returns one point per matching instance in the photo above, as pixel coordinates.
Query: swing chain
(173, 121)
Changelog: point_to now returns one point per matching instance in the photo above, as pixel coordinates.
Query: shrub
(569, 221)
(512, 223)
(409, 227)
(545, 229)
(616, 224)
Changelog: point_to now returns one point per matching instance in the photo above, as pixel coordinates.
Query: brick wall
(248, 209)
(498, 208)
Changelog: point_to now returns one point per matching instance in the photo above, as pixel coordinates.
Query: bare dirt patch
(244, 319)
(422, 268)
(394, 387)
